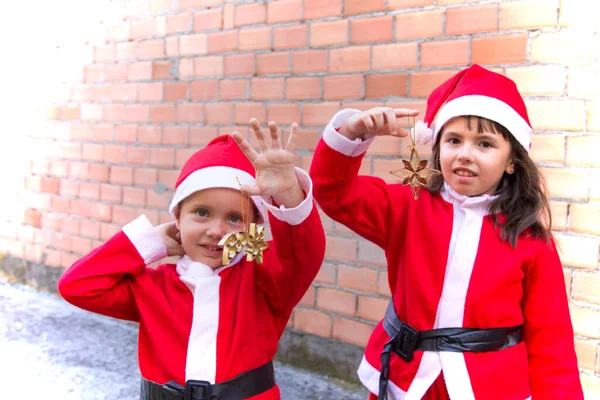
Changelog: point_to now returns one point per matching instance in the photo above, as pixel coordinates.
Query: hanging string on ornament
(415, 172)
(251, 240)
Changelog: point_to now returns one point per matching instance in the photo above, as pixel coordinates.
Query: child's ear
(177, 213)
(510, 167)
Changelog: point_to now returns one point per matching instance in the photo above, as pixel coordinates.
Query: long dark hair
(522, 205)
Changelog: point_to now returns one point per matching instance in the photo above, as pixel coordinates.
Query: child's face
(473, 163)
(205, 217)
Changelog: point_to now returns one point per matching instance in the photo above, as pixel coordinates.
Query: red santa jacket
(447, 267)
(196, 323)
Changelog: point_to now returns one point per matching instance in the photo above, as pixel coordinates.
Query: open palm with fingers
(274, 165)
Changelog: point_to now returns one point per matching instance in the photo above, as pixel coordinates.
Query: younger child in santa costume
(479, 308)
(207, 330)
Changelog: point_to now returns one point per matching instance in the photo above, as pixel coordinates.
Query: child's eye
(202, 213)
(486, 145)
(236, 219)
(453, 141)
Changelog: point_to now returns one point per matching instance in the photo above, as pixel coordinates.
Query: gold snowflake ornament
(416, 172)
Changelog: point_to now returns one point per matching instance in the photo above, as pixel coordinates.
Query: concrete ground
(52, 350)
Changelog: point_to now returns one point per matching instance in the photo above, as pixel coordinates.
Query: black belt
(405, 340)
(245, 385)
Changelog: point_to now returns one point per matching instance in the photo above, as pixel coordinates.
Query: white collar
(464, 201)
(190, 270)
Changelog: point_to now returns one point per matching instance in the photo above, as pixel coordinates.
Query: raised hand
(274, 165)
(377, 121)
(171, 238)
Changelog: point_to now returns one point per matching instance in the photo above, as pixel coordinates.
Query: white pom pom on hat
(422, 132)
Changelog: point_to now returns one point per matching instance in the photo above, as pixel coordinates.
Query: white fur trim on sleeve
(340, 143)
(296, 215)
(146, 241)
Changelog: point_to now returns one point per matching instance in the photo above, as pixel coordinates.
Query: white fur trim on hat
(215, 177)
(486, 107)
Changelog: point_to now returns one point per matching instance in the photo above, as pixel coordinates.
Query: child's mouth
(211, 248)
(462, 172)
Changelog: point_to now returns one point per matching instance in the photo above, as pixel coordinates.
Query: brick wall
(158, 79)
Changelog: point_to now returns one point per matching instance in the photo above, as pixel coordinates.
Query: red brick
(239, 64)
(134, 197)
(143, 29)
(539, 80)
(150, 49)
(172, 46)
(186, 68)
(318, 114)
(193, 44)
(93, 74)
(394, 56)
(315, 9)
(336, 301)
(398, 4)
(203, 90)
(162, 157)
(144, 176)
(70, 151)
(283, 114)
(189, 4)
(244, 112)
(312, 322)
(137, 155)
(250, 14)
(91, 112)
(189, 112)
(150, 92)
(284, 11)
(181, 156)
(175, 91)
(529, 14)
(136, 113)
(353, 7)
(328, 33)
(155, 200)
(93, 152)
(123, 92)
(365, 30)
(161, 70)
(122, 215)
(341, 249)
(201, 135)
(230, 89)
(255, 39)
(340, 87)
(59, 168)
(89, 229)
(70, 113)
(108, 230)
(273, 63)
(121, 175)
(208, 19)
(445, 53)
(102, 133)
(98, 172)
(119, 32)
(570, 47)
(290, 37)
(371, 254)
(228, 16)
(178, 23)
(139, 71)
(350, 59)
(472, 19)
(162, 113)
(104, 53)
(149, 134)
(111, 193)
(383, 85)
(309, 297)
(371, 308)
(309, 61)
(114, 73)
(68, 187)
(350, 331)
(220, 42)
(218, 113)
(355, 278)
(303, 88)
(267, 88)
(422, 83)
(114, 154)
(175, 135)
(169, 177)
(499, 49)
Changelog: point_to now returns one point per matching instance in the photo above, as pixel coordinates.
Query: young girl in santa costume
(208, 330)
(479, 307)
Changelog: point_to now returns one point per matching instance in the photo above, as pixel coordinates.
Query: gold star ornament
(416, 172)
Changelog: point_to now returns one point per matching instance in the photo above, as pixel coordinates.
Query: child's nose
(216, 229)
(465, 153)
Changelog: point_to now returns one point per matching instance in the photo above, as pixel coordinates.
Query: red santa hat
(221, 164)
(479, 92)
